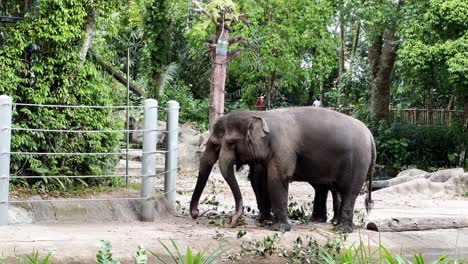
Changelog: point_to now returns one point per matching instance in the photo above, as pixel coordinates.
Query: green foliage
(35, 259)
(400, 145)
(157, 36)
(310, 251)
(140, 256)
(260, 247)
(190, 257)
(104, 255)
(288, 49)
(191, 110)
(301, 212)
(40, 65)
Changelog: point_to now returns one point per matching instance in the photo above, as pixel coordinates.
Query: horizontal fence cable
(88, 131)
(82, 106)
(90, 106)
(147, 198)
(85, 176)
(84, 153)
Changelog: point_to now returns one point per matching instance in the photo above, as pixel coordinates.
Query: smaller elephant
(258, 180)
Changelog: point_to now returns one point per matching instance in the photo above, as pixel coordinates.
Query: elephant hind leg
(336, 206)
(319, 209)
(345, 219)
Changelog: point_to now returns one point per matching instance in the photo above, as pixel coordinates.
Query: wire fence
(150, 131)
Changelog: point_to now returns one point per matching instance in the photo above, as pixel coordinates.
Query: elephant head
(237, 138)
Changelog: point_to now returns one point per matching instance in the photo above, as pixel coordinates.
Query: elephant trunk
(226, 166)
(208, 159)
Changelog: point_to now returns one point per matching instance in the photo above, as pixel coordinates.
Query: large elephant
(317, 145)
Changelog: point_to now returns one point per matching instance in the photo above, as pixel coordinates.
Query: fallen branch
(409, 224)
(119, 77)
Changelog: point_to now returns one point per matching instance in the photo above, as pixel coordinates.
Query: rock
(445, 175)
(410, 173)
(402, 177)
(136, 137)
(189, 148)
(19, 215)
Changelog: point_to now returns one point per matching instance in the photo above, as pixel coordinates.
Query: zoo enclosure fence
(437, 117)
(148, 170)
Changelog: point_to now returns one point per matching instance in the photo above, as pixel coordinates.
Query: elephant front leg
(319, 209)
(258, 179)
(278, 191)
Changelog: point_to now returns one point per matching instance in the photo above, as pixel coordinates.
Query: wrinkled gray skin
(311, 144)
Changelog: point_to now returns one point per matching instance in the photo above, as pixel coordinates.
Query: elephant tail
(370, 175)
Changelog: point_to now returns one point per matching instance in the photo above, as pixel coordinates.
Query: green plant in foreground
(363, 255)
(35, 259)
(104, 255)
(140, 256)
(190, 257)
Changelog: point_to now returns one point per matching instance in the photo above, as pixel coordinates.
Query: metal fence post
(172, 128)
(148, 166)
(5, 144)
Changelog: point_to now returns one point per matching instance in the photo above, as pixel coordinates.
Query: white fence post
(148, 166)
(172, 128)
(5, 144)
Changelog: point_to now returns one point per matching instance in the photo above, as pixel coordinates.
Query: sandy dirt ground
(78, 243)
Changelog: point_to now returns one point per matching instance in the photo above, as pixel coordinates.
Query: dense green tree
(40, 65)
(288, 49)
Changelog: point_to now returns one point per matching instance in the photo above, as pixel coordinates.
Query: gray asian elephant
(316, 145)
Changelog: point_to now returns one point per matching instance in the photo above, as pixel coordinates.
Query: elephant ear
(257, 128)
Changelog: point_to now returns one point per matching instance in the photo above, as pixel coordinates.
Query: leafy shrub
(400, 145)
(40, 65)
(310, 251)
(191, 110)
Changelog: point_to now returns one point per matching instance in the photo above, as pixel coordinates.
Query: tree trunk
(464, 132)
(218, 79)
(341, 59)
(270, 87)
(465, 110)
(355, 43)
(451, 102)
(409, 224)
(382, 54)
(322, 91)
(90, 23)
(119, 77)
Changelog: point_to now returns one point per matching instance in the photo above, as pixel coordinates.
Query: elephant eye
(230, 144)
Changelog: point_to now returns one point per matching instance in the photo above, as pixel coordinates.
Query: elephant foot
(334, 221)
(344, 228)
(318, 219)
(264, 217)
(283, 227)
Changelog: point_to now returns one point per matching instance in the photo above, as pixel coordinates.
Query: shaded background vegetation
(292, 52)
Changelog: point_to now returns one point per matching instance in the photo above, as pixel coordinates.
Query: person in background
(317, 102)
(260, 104)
